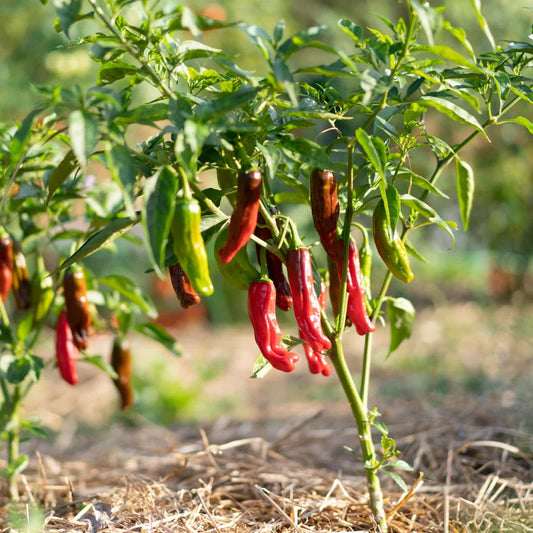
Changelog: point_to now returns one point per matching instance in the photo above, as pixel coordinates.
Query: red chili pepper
(182, 286)
(318, 364)
(267, 333)
(21, 280)
(66, 351)
(306, 306)
(274, 267)
(356, 309)
(6, 265)
(244, 217)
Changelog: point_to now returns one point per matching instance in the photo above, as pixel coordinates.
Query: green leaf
(158, 210)
(24, 328)
(160, 335)
(401, 315)
(465, 189)
(523, 121)
(418, 205)
(476, 4)
(456, 113)
(400, 464)
(261, 367)
(397, 479)
(122, 168)
(279, 31)
(61, 173)
(129, 289)
(18, 370)
(371, 151)
(98, 240)
(98, 361)
(22, 135)
(451, 55)
(300, 40)
(430, 19)
(188, 146)
(414, 252)
(304, 150)
(67, 13)
(407, 174)
(17, 466)
(83, 132)
(114, 71)
(352, 29)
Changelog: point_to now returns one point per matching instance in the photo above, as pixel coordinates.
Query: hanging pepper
(325, 211)
(267, 333)
(121, 361)
(392, 250)
(66, 351)
(187, 296)
(77, 305)
(239, 272)
(6, 264)
(21, 280)
(318, 364)
(365, 260)
(356, 306)
(274, 267)
(42, 293)
(189, 246)
(244, 217)
(335, 290)
(305, 301)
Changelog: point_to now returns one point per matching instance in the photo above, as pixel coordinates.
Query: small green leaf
(160, 335)
(401, 315)
(449, 54)
(83, 131)
(67, 13)
(430, 19)
(300, 40)
(465, 189)
(368, 146)
(98, 361)
(476, 4)
(523, 121)
(18, 370)
(352, 29)
(302, 149)
(114, 71)
(22, 135)
(98, 240)
(279, 30)
(61, 173)
(397, 479)
(17, 466)
(418, 205)
(158, 210)
(122, 168)
(129, 289)
(261, 367)
(407, 174)
(400, 464)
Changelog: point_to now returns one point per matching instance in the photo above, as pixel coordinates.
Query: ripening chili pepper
(317, 362)
(121, 361)
(189, 244)
(356, 306)
(239, 272)
(42, 294)
(66, 351)
(325, 211)
(274, 267)
(187, 296)
(6, 264)
(305, 301)
(77, 305)
(244, 217)
(392, 250)
(21, 280)
(365, 260)
(267, 333)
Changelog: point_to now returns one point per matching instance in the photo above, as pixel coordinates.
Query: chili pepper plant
(367, 139)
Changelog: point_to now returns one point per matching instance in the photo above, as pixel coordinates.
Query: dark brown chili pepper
(187, 296)
(121, 361)
(21, 280)
(244, 217)
(77, 305)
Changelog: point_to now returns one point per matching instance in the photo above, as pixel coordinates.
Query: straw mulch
(297, 477)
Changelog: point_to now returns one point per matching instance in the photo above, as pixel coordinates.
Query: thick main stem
(13, 446)
(364, 430)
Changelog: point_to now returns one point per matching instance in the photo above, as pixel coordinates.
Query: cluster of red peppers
(14, 275)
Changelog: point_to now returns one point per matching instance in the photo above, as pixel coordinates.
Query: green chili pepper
(42, 294)
(392, 250)
(189, 245)
(365, 260)
(240, 271)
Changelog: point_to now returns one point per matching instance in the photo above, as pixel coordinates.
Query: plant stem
(365, 375)
(13, 445)
(360, 414)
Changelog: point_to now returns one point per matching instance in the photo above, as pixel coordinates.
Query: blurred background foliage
(493, 259)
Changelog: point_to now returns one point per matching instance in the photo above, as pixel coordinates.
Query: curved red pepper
(244, 217)
(262, 313)
(6, 265)
(318, 364)
(274, 267)
(306, 306)
(355, 285)
(66, 351)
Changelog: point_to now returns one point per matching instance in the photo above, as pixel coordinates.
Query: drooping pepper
(66, 351)
(244, 217)
(42, 294)
(21, 280)
(189, 246)
(77, 305)
(187, 296)
(239, 272)
(274, 267)
(121, 361)
(267, 333)
(356, 306)
(6, 264)
(305, 301)
(392, 250)
(317, 362)
(325, 211)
